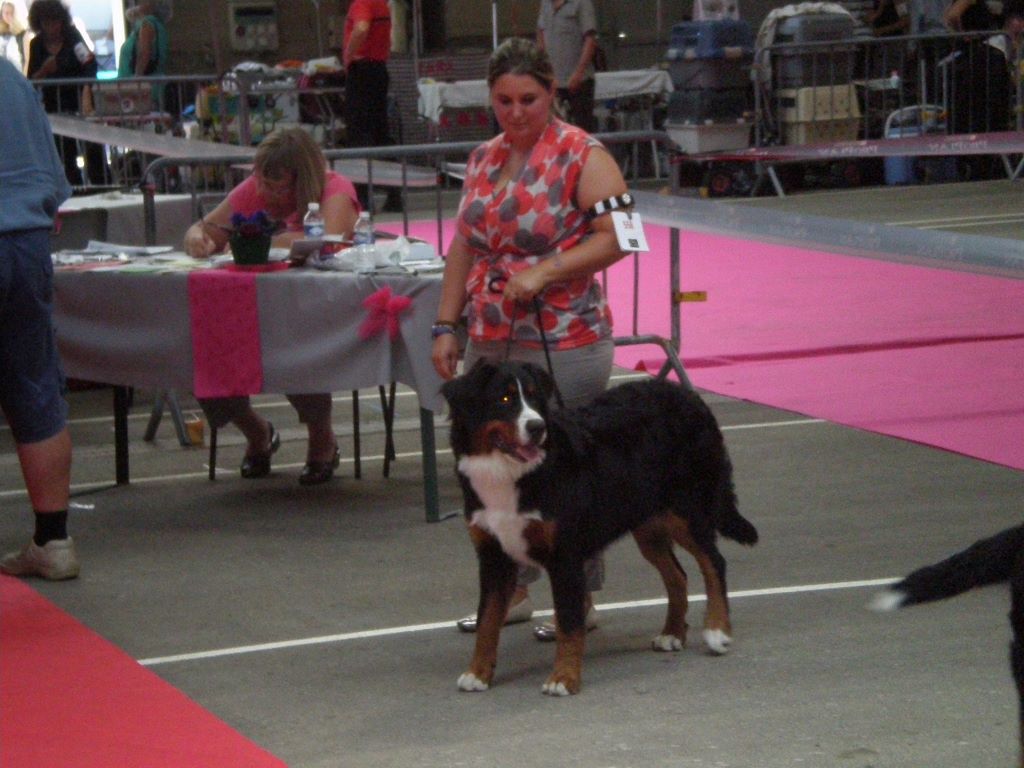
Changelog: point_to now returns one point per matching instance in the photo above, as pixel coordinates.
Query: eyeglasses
(276, 186)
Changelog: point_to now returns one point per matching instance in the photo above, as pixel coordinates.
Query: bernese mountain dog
(552, 488)
(994, 560)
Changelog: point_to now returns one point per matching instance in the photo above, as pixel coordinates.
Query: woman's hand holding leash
(523, 286)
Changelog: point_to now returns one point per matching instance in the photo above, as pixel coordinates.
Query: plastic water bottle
(313, 222)
(363, 241)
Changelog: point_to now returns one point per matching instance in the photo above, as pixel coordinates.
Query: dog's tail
(988, 561)
(729, 522)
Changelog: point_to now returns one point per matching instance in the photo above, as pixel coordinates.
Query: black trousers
(366, 104)
(579, 105)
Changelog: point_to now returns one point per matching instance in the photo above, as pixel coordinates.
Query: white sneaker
(55, 561)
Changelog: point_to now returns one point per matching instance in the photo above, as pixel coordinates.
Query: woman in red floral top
(524, 231)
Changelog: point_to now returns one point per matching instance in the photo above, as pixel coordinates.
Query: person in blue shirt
(32, 186)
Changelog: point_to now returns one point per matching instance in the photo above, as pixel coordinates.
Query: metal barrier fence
(141, 103)
(236, 108)
(887, 87)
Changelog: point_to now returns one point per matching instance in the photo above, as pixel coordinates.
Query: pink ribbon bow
(383, 312)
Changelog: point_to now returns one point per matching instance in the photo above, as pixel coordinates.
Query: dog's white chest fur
(493, 480)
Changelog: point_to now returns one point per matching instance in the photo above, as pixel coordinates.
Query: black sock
(50, 526)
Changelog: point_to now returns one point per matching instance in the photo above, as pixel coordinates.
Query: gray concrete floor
(176, 566)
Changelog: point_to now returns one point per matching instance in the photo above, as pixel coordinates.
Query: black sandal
(316, 472)
(259, 465)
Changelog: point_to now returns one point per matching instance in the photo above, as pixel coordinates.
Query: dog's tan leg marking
(540, 539)
(717, 627)
(656, 546)
(492, 616)
(567, 675)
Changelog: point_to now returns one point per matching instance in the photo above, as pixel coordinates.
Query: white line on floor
(414, 628)
(969, 224)
(950, 220)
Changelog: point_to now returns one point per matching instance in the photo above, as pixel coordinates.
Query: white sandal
(547, 632)
(517, 614)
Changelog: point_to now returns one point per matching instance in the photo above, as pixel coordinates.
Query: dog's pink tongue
(528, 452)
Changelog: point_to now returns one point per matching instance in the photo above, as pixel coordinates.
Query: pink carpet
(70, 698)
(928, 355)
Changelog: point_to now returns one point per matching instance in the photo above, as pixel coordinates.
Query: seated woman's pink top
(246, 199)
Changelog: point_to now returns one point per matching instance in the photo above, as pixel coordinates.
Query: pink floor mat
(928, 355)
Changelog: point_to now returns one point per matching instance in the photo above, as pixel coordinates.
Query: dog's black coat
(992, 560)
(639, 450)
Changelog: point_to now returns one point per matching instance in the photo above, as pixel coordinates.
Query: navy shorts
(31, 381)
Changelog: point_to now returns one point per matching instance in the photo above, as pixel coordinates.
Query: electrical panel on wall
(253, 25)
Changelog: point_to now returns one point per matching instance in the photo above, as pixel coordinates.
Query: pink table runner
(225, 325)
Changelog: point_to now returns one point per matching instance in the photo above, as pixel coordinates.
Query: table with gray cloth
(126, 221)
(130, 328)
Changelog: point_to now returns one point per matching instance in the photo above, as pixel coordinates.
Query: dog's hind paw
(470, 682)
(555, 689)
(717, 641)
(667, 643)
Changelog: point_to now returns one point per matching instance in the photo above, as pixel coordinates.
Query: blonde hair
(293, 151)
(17, 27)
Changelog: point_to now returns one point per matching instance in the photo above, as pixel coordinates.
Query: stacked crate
(709, 63)
(815, 99)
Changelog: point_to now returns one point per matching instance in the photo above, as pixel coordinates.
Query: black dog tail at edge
(730, 523)
(988, 561)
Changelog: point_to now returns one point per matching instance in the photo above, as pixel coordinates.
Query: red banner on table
(225, 324)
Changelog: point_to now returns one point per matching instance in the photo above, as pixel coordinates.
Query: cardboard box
(710, 137)
(797, 105)
(820, 131)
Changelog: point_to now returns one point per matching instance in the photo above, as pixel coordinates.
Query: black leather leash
(497, 285)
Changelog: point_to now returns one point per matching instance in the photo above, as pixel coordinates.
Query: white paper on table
(97, 246)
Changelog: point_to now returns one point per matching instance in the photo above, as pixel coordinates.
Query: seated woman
(290, 172)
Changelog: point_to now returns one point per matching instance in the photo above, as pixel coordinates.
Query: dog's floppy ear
(461, 391)
(542, 379)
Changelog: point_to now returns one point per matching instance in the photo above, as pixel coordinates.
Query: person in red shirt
(365, 49)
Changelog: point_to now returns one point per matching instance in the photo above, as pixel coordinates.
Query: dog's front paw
(717, 641)
(470, 682)
(667, 643)
(561, 685)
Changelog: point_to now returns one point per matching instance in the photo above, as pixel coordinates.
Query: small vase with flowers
(250, 237)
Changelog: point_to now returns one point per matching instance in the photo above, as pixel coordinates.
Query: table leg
(121, 400)
(428, 444)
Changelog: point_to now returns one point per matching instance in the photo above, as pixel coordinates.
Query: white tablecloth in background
(435, 97)
(125, 220)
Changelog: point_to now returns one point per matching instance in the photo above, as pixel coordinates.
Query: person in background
(290, 172)
(982, 85)
(366, 45)
(145, 50)
(527, 229)
(888, 18)
(12, 36)
(58, 50)
(970, 16)
(567, 30)
(31, 381)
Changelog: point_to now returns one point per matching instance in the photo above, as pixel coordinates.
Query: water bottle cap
(314, 207)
